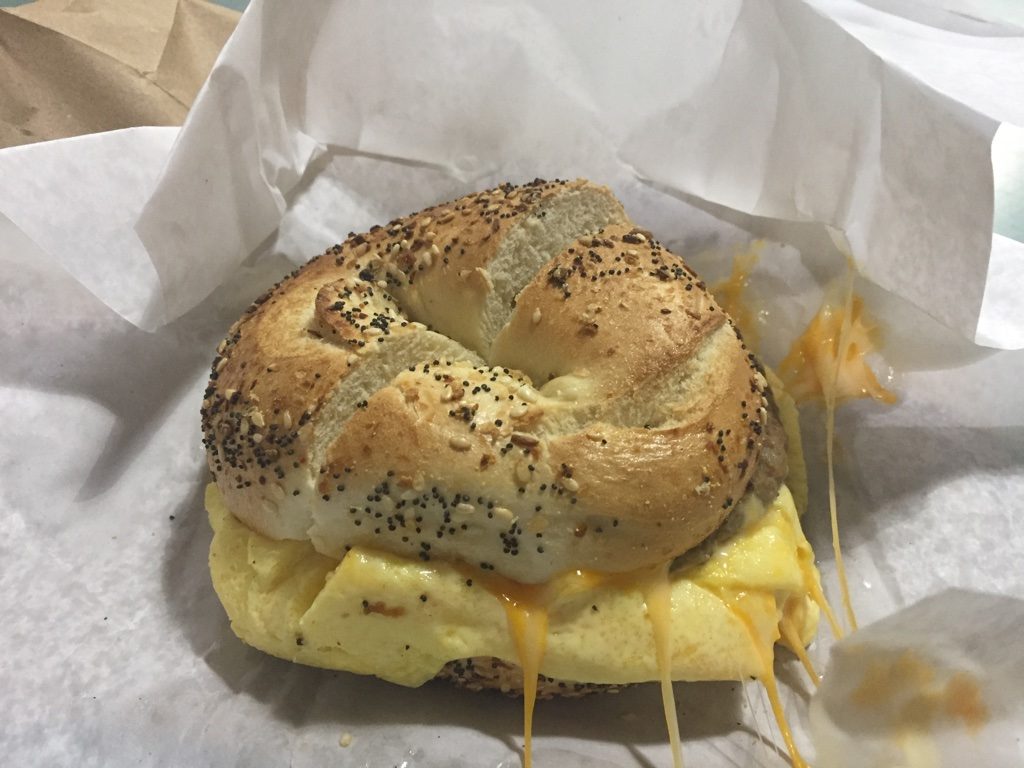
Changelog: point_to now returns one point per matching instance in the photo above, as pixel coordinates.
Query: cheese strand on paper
(658, 599)
(827, 362)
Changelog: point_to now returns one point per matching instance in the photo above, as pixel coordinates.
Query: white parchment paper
(122, 262)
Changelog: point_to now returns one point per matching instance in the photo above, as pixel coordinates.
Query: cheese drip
(791, 635)
(730, 292)
(529, 627)
(818, 596)
(526, 610)
(827, 363)
(765, 649)
(658, 599)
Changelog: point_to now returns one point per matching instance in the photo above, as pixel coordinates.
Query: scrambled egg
(378, 614)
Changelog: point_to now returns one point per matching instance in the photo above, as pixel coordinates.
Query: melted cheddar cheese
(827, 362)
(730, 293)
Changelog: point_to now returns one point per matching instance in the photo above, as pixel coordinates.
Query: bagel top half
(521, 380)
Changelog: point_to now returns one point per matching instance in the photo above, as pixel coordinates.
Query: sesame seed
(527, 393)
(459, 443)
(504, 513)
(524, 439)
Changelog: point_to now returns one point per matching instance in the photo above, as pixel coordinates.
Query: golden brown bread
(483, 673)
(519, 379)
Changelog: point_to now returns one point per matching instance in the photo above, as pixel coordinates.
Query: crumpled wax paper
(935, 685)
(123, 259)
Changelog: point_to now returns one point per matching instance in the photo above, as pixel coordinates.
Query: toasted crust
(389, 394)
(493, 674)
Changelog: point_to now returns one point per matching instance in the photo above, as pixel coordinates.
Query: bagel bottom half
(408, 621)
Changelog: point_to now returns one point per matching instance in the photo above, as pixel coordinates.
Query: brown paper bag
(70, 67)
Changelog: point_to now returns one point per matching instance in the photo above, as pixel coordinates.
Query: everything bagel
(474, 376)
(518, 398)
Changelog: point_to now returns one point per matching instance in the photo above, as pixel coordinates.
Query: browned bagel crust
(491, 673)
(334, 414)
